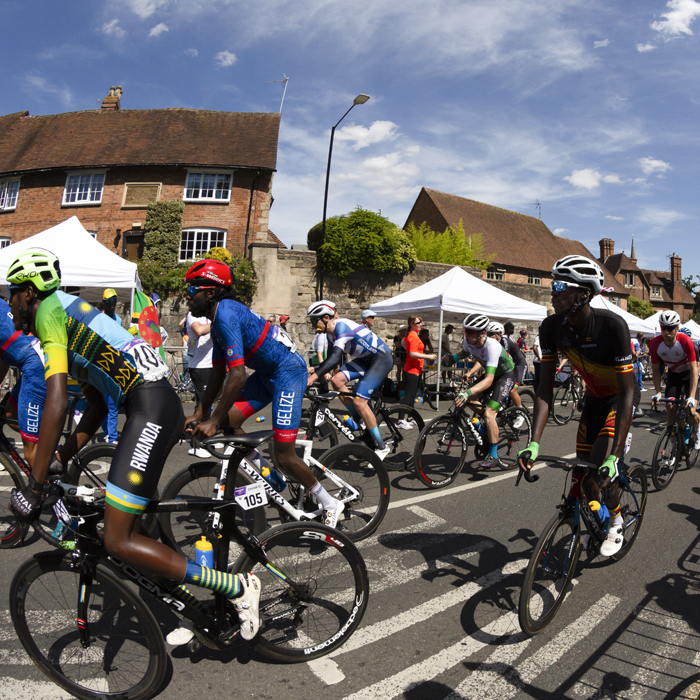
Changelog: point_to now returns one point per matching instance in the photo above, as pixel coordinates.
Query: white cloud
(601, 44)
(112, 28)
(192, 52)
(158, 29)
(652, 165)
(660, 219)
(589, 179)
(362, 137)
(35, 85)
(225, 58)
(145, 8)
(560, 231)
(677, 21)
(643, 48)
(615, 218)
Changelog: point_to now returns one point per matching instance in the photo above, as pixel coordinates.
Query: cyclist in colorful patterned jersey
(244, 339)
(495, 330)
(498, 380)
(25, 403)
(370, 362)
(597, 343)
(80, 341)
(678, 352)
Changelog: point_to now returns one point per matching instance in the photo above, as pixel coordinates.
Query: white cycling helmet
(495, 327)
(669, 318)
(321, 308)
(579, 270)
(476, 322)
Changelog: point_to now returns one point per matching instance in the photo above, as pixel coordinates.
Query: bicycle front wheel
(563, 404)
(527, 398)
(10, 478)
(549, 573)
(667, 455)
(514, 434)
(401, 438)
(441, 451)
(365, 488)
(633, 503)
(328, 601)
(123, 654)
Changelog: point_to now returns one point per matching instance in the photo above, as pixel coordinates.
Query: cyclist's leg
(519, 375)
(29, 406)
(347, 373)
(675, 385)
(494, 400)
(376, 373)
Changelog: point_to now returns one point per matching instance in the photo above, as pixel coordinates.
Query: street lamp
(359, 100)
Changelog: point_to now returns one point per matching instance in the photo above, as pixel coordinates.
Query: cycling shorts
(520, 373)
(372, 371)
(27, 399)
(597, 420)
(154, 423)
(497, 396)
(285, 388)
(677, 383)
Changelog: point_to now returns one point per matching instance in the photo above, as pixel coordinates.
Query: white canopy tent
(636, 325)
(84, 261)
(451, 297)
(694, 328)
(653, 321)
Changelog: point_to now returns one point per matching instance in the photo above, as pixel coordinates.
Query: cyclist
(79, 340)
(597, 344)
(25, 403)
(495, 330)
(370, 361)
(696, 345)
(497, 382)
(243, 339)
(677, 351)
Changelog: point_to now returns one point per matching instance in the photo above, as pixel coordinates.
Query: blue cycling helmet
(686, 331)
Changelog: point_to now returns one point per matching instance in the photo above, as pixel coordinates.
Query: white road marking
(327, 670)
(31, 690)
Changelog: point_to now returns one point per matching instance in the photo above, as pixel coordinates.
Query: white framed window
(5, 241)
(197, 241)
(208, 186)
(9, 191)
(534, 277)
(656, 291)
(629, 279)
(495, 273)
(83, 189)
(615, 300)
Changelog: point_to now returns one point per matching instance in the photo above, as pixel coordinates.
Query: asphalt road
(445, 569)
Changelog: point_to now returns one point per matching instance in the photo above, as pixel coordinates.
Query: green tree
(242, 273)
(692, 284)
(639, 308)
(362, 238)
(452, 246)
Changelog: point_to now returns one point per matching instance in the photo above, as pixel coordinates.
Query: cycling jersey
(600, 350)
(357, 341)
(677, 356)
(492, 356)
(518, 358)
(81, 341)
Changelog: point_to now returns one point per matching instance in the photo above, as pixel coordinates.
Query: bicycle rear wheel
(10, 478)
(441, 451)
(667, 455)
(527, 398)
(549, 573)
(691, 455)
(403, 440)
(633, 503)
(514, 434)
(563, 404)
(334, 587)
(125, 656)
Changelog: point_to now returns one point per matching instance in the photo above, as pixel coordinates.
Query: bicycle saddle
(326, 398)
(248, 440)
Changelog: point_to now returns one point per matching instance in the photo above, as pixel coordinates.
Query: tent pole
(131, 310)
(439, 362)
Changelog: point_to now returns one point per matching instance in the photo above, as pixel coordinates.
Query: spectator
(368, 318)
(283, 322)
(447, 350)
(537, 359)
(509, 328)
(424, 335)
(522, 341)
(414, 364)
(400, 352)
(272, 319)
(200, 347)
(318, 354)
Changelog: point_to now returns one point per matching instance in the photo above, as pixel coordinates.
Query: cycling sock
(323, 497)
(615, 517)
(493, 450)
(374, 432)
(219, 581)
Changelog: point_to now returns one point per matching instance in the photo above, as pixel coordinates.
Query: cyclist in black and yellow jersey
(597, 343)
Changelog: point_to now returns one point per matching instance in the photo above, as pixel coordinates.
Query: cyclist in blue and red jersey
(243, 339)
(26, 402)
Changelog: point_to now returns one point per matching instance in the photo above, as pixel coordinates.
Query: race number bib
(250, 496)
(147, 360)
(283, 337)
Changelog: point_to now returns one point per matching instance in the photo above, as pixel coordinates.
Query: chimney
(675, 268)
(607, 248)
(113, 98)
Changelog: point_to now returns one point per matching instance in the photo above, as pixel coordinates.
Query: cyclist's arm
(94, 415)
(332, 361)
(656, 377)
(484, 384)
(55, 408)
(693, 379)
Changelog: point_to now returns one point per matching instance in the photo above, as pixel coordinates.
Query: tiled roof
(101, 138)
(271, 238)
(517, 240)
(662, 278)
(620, 261)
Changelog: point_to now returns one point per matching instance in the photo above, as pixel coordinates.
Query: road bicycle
(443, 444)
(179, 377)
(350, 473)
(553, 562)
(567, 398)
(675, 442)
(81, 618)
(323, 423)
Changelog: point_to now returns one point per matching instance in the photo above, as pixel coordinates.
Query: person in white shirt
(200, 348)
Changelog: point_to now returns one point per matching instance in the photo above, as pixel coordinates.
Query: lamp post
(359, 100)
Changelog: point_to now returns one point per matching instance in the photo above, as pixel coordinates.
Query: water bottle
(204, 553)
(601, 513)
(260, 419)
(685, 432)
(349, 422)
(274, 478)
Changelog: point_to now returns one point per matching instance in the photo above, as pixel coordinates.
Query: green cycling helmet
(37, 266)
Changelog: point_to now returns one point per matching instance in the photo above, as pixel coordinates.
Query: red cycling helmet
(209, 272)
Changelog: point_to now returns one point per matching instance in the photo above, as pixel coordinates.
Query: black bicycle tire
(663, 439)
(254, 520)
(324, 442)
(8, 523)
(636, 474)
(321, 540)
(401, 458)
(373, 473)
(50, 564)
(508, 459)
(530, 394)
(568, 391)
(691, 455)
(527, 623)
(420, 464)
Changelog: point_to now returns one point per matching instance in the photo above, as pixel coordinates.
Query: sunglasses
(560, 286)
(12, 289)
(192, 291)
(668, 329)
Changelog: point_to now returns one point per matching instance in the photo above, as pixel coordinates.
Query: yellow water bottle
(204, 553)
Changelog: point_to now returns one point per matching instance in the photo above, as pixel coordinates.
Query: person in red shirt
(522, 341)
(414, 361)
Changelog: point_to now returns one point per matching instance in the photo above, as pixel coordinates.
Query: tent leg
(131, 309)
(439, 363)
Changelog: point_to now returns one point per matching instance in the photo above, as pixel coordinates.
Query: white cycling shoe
(181, 635)
(247, 605)
(614, 541)
(382, 453)
(331, 515)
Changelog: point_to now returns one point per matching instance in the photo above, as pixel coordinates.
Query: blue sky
(589, 106)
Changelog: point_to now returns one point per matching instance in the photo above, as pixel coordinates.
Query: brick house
(104, 166)
(663, 289)
(524, 248)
